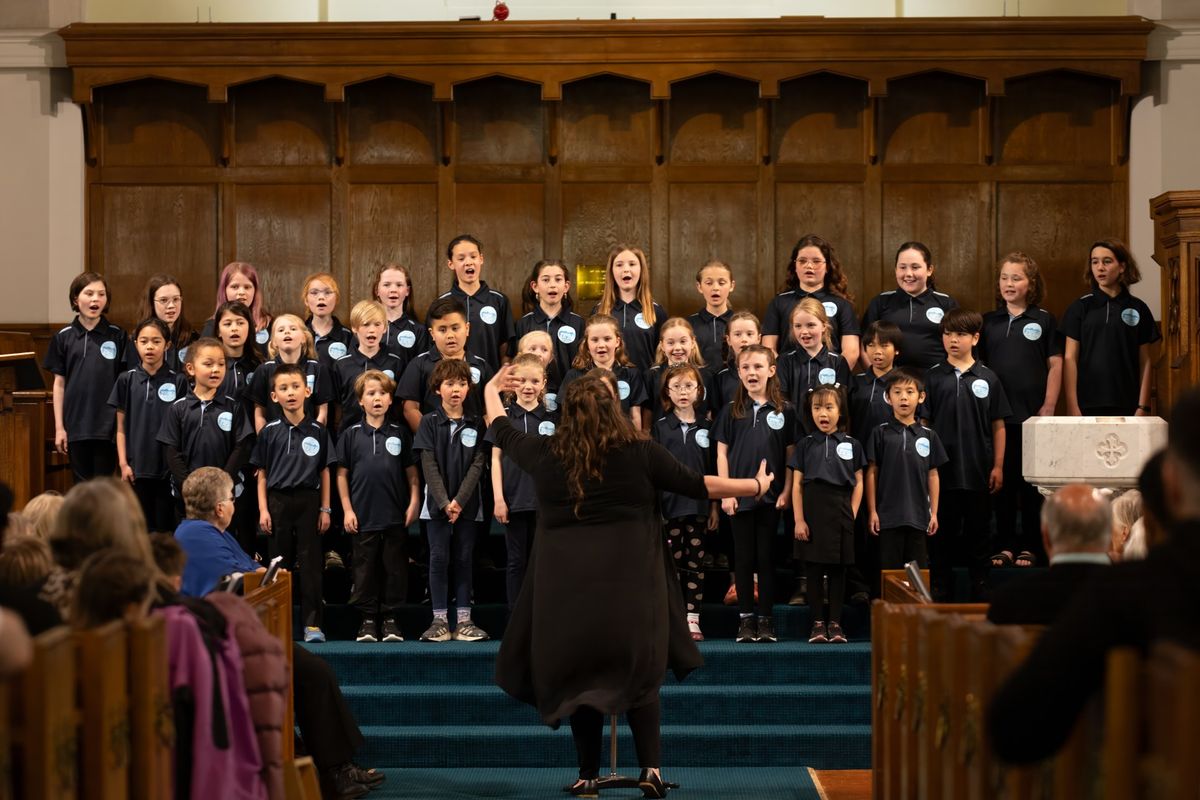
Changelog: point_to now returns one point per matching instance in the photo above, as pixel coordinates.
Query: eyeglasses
(321, 293)
(682, 387)
(804, 262)
(168, 301)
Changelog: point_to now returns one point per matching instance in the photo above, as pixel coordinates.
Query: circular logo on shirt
(225, 421)
(488, 315)
(845, 451)
(830, 309)
(337, 350)
(551, 401)
(640, 321)
(922, 446)
(310, 381)
(980, 388)
(406, 339)
(469, 436)
(934, 314)
(702, 438)
(391, 375)
(109, 350)
(546, 428)
(1032, 331)
(827, 376)
(262, 337)
(1131, 317)
(166, 393)
(249, 377)
(475, 374)
(775, 420)
(566, 335)
(310, 446)
(183, 355)
(623, 390)
(238, 488)
(392, 445)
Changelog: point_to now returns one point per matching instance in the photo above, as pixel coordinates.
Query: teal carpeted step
(817, 746)
(681, 704)
(696, 783)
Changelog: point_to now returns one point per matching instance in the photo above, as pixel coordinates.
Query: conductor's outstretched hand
(764, 478)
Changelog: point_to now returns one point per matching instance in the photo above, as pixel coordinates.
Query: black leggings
(154, 496)
(686, 535)
(753, 543)
(816, 590)
(92, 458)
(587, 727)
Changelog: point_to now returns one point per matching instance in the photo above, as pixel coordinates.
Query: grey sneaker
(439, 631)
(391, 632)
(470, 632)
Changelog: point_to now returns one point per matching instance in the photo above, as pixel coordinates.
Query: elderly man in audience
(1076, 530)
(1129, 604)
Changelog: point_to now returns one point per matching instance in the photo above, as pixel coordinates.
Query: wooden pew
(103, 673)
(1170, 769)
(152, 727)
(274, 606)
(45, 720)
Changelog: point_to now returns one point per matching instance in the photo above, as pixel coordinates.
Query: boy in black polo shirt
(293, 457)
(869, 406)
(450, 330)
(487, 311)
(368, 320)
(966, 405)
(903, 458)
(453, 456)
(376, 464)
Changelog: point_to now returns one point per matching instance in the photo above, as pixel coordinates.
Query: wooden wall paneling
(712, 220)
(281, 123)
(932, 118)
(835, 211)
(508, 219)
(393, 223)
(606, 120)
(596, 216)
(713, 121)
(284, 231)
(1057, 118)
(157, 123)
(392, 121)
(499, 121)
(819, 119)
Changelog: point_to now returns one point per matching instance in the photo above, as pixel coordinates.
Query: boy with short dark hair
(293, 455)
(965, 403)
(368, 320)
(902, 476)
(488, 311)
(376, 463)
(453, 455)
(868, 389)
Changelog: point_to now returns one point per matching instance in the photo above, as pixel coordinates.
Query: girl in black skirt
(827, 488)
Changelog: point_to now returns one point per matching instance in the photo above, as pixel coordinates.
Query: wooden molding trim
(31, 48)
(553, 53)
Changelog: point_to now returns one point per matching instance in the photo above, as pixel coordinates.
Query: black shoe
(651, 784)
(834, 633)
(799, 597)
(818, 633)
(766, 630)
(366, 776)
(367, 632)
(391, 632)
(708, 562)
(339, 784)
(722, 561)
(747, 630)
(584, 788)
(860, 599)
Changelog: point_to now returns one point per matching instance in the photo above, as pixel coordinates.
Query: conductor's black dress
(600, 617)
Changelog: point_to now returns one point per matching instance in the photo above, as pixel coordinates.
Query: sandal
(1029, 558)
(1002, 559)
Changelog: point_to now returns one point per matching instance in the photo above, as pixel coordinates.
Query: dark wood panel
(596, 216)
(158, 123)
(606, 120)
(392, 122)
(932, 118)
(712, 121)
(149, 229)
(508, 220)
(278, 122)
(284, 232)
(1060, 118)
(394, 223)
(819, 119)
(499, 121)
(713, 221)
(831, 210)
(1055, 223)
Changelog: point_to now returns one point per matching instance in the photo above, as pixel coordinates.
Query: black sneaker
(818, 633)
(722, 561)
(834, 633)
(391, 632)
(367, 776)
(339, 783)
(747, 630)
(367, 632)
(709, 562)
(766, 630)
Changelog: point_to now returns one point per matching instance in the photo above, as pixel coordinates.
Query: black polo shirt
(778, 319)
(145, 400)
(405, 337)
(316, 375)
(920, 320)
(414, 384)
(566, 333)
(705, 405)
(639, 337)
(725, 383)
(205, 433)
(1018, 349)
(336, 344)
(90, 361)
(519, 492)
(454, 444)
(765, 432)
(869, 407)
(799, 374)
(631, 389)
(834, 458)
(491, 321)
(693, 446)
(346, 371)
(961, 407)
(904, 454)
(710, 336)
(1110, 330)
(239, 375)
(377, 460)
(294, 456)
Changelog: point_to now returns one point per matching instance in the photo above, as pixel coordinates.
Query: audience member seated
(41, 512)
(1131, 604)
(211, 551)
(112, 585)
(17, 651)
(1126, 510)
(25, 564)
(1077, 526)
(1156, 518)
